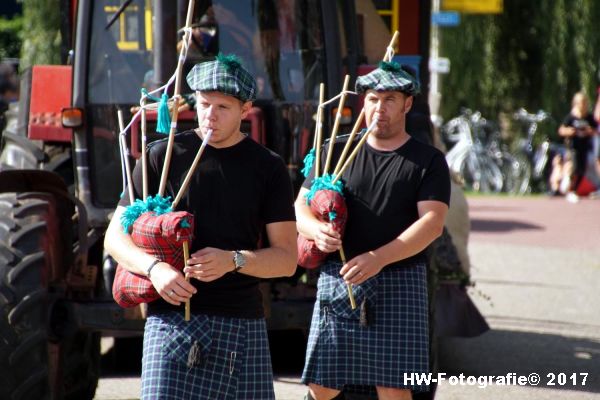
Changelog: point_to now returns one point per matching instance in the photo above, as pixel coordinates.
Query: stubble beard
(382, 133)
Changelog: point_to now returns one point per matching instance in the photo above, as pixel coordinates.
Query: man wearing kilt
(239, 190)
(397, 191)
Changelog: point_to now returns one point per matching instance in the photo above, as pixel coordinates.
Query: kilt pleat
(342, 352)
(233, 361)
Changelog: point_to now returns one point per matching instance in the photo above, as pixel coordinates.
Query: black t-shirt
(234, 193)
(382, 189)
(580, 141)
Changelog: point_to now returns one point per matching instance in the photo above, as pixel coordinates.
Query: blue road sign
(445, 18)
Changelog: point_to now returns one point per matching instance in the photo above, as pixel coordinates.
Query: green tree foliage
(536, 54)
(42, 37)
(10, 37)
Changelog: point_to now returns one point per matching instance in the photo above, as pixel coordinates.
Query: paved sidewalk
(536, 265)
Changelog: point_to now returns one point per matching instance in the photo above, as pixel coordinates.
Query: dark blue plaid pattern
(234, 362)
(341, 352)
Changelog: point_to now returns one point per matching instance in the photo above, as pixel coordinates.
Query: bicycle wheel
(492, 179)
(523, 166)
(480, 173)
(470, 172)
(516, 172)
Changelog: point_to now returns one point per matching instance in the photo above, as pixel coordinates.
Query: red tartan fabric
(163, 237)
(323, 203)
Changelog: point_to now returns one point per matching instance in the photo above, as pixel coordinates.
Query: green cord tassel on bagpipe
(324, 182)
(309, 160)
(159, 205)
(163, 124)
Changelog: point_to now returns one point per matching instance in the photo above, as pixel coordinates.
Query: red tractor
(60, 168)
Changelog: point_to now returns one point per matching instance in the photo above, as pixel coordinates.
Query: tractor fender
(31, 180)
(21, 181)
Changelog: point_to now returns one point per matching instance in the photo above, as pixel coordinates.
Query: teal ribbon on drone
(157, 204)
(324, 182)
(309, 160)
(163, 123)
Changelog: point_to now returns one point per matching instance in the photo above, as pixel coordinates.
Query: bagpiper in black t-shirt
(233, 194)
(382, 189)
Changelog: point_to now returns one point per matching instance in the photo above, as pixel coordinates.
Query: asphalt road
(536, 269)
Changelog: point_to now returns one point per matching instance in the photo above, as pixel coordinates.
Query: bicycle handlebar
(523, 115)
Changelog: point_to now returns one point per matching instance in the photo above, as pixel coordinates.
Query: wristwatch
(149, 269)
(239, 260)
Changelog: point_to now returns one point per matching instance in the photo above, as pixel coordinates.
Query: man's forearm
(307, 224)
(412, 241)
(280, 258)
(271, 262)
(121, 247)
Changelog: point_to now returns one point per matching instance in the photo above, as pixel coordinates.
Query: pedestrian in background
(596, 143)
(578, 128)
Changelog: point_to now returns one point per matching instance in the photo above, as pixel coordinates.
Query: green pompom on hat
(225, 74)
(389, 76)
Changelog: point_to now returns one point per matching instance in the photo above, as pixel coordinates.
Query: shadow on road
(123, 359)
(494, 208)
(490, 225)
(287, 351)
(499, 352)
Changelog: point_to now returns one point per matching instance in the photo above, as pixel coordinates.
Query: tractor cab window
(120, 56)
(279, 42)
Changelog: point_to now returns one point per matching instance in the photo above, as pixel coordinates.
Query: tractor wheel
(40, 357)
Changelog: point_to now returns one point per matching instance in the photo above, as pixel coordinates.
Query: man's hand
(361, 268)
(171, 284)
(322, 233)
(328, 239)
(209, 264)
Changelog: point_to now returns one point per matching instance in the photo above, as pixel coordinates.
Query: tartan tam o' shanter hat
(225, 74)
(390, 76)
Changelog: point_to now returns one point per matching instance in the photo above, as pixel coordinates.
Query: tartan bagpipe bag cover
(327, 206)
(161, 236)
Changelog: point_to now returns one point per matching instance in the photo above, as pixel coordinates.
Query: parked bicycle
(472, 157)
(531, 158)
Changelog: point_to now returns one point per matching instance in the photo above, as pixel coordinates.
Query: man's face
(390, 109)
(223, 114)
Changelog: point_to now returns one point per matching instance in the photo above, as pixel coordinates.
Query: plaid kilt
(341, 352)
(234, 362)
(163, 237)
(324, 205)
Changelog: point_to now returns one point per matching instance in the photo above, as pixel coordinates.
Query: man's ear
(408, 104)
(246, 109)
